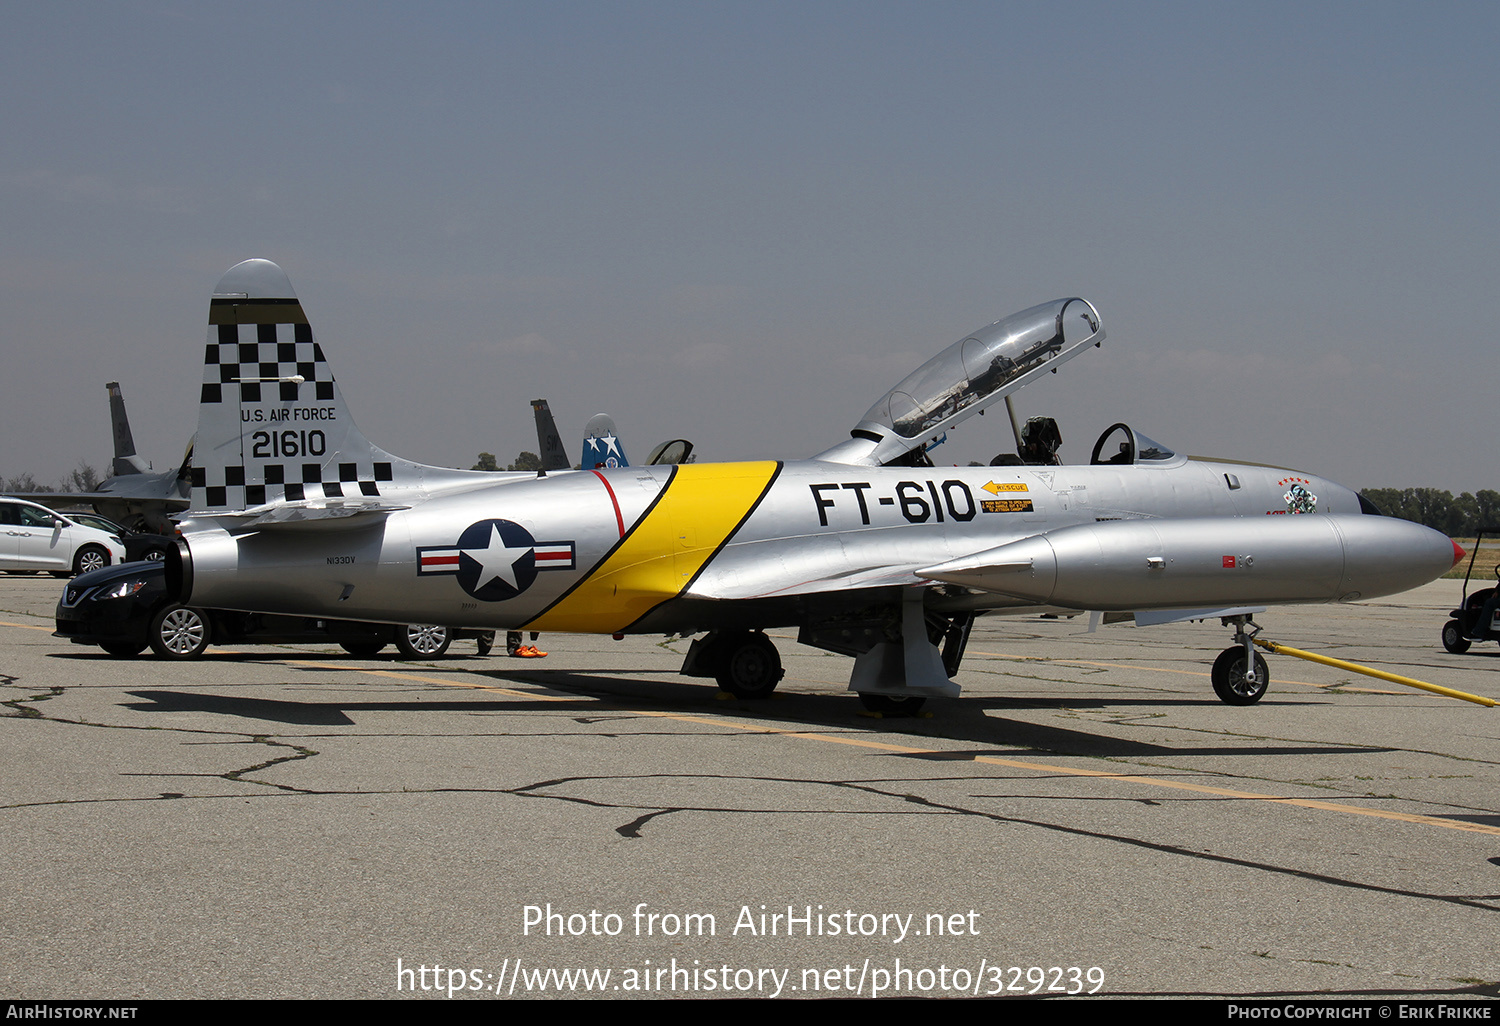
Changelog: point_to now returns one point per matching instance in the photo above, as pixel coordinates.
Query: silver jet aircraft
(868, 549)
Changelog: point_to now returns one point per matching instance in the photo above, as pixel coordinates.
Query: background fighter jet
(601, 444)
(135, 496)
(866, 551)
(549, 445)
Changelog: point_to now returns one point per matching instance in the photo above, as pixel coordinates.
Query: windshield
(976, 370)
(95, 521)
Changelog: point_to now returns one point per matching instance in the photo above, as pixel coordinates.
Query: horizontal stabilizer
(300, 515)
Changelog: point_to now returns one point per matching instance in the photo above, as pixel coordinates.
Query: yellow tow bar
(1271, 646)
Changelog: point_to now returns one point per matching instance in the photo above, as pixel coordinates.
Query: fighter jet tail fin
(126, 461)
(549, 444)
(272, 423)
(601, 445)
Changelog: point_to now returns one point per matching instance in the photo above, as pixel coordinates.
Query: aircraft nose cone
(1458, 553)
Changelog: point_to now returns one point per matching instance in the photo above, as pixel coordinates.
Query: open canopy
(969, 376)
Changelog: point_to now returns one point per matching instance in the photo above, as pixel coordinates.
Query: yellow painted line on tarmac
(858, 742)
(532, 695)
(27, 626)
(1039, 767)
(989, 760)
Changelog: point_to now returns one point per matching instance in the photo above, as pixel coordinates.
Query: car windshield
(96, 521)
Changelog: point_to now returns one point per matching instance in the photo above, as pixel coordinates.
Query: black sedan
(124, 609)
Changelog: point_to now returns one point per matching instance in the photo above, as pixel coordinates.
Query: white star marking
(609, 441)
(497, 560)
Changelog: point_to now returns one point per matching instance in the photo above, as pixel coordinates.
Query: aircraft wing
(785, 581)
(300, 515)
(48, 498)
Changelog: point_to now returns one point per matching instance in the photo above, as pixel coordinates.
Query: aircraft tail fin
(126, 461)
(601, 445)
(272, 423)
(549, 444)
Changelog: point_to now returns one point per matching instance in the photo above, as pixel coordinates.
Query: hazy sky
(741, 223)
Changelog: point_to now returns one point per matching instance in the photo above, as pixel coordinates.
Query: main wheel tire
(90, 557)
(485, 642)
(423, 641)
(1229, 677)
(123, 649)
(362, 649)
(890, 705)
(1453, 638)
(180, 632)
(749, 665)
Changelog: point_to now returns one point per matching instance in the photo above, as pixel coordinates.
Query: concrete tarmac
(293, 822)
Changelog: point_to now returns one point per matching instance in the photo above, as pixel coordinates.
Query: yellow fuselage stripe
(665, 551)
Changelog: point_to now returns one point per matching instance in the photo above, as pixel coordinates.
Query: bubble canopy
(985, 366)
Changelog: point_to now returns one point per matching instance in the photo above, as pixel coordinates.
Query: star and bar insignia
(495, 560)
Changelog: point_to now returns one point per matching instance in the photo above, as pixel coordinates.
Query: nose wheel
(1232, 684)
(1240, 675)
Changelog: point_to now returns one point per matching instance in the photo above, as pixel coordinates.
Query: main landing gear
(1240, 676)
(745, 663)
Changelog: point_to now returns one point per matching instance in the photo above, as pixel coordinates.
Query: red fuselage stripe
(619, 520)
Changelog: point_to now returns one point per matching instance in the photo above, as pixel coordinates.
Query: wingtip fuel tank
(1190, 561)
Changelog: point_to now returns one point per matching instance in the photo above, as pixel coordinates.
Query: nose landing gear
(1240, 675)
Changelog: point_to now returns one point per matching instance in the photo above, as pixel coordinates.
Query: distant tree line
(1458, 518)
(83, 479)
(524, 461)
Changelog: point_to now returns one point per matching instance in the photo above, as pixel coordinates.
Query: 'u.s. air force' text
(289, 413)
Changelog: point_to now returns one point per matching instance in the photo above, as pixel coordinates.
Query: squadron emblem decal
(495, 560)
(1297, 498)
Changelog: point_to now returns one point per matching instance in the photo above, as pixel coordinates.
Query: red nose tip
(1458, 553)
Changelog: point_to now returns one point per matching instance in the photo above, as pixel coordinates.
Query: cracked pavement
(289, 821)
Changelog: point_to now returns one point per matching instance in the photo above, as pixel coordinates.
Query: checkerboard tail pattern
(264, 435)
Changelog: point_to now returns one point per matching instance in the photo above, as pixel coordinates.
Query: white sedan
(33, 537)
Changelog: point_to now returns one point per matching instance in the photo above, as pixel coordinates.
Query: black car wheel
(123, 649)
(362, 649)
(180, 632)
(90, 557)
(423, 641)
